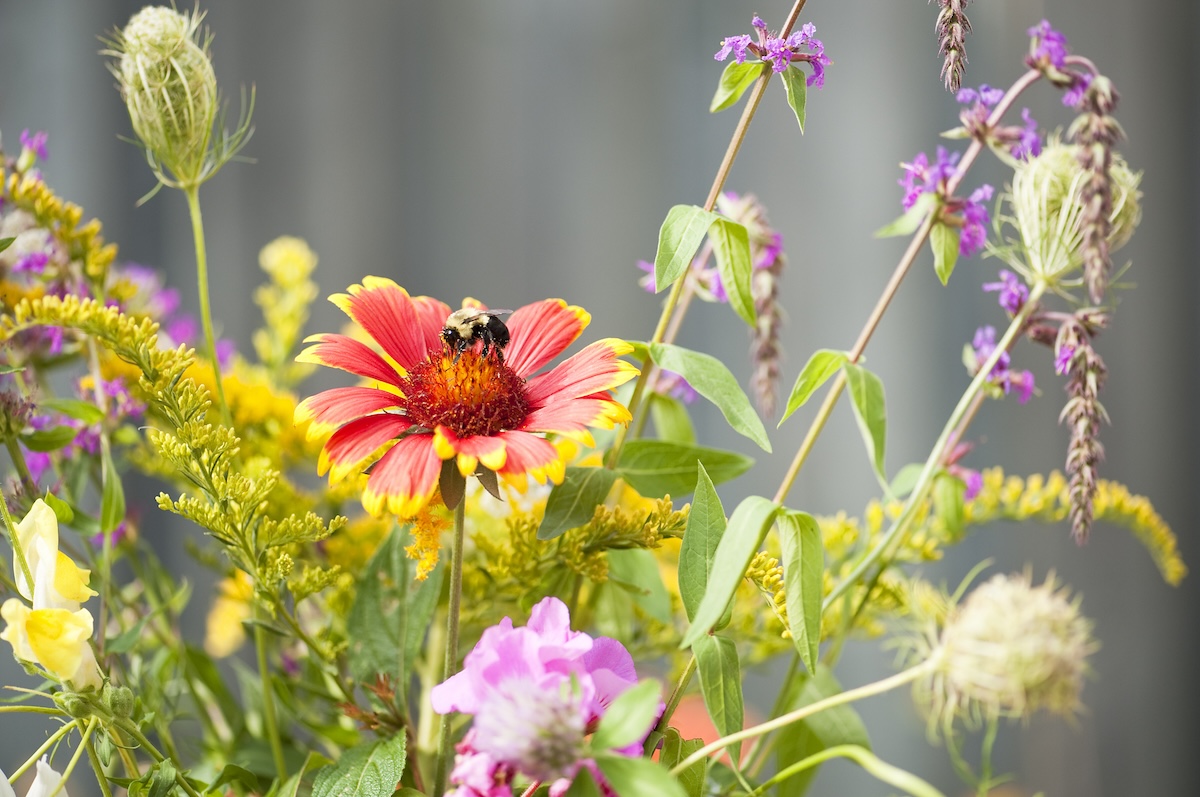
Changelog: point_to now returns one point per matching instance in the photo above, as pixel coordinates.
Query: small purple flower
(226, 349)
(182, 330)
(985, 96)
(1048, 45)
(1013, 292)
(674, 385)
(975, 221)
(31, 263)
(36, 143)
(736, 45)
(38, 463)
(984, 345)
(1063, 357)
(758, 23)
(1074, 93)
(920, 177)
(1029, 145)
(1023, 382)
(115, 537)
(974, 482)
(779, 52)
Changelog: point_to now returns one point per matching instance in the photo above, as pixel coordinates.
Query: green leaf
(731, 246)
(583, 785)
(803, 558)
(11, 369)
(712, 379)
(390, 615)
(678, 239)
(50, 439)
(912, 218)
(629, 717)
(943, 239)
(823, 364)
(797, 92)
(655, 468)
(125, 641)
(721, 685)
(232, 773)
(572, 503)
(675, 749)
(62, 510)
(734, 81)
(747, 527)
(636, 571)
(80, 410)
(835, 726)
(705, 525)
(371, 769)
(870, 410)
(638, 777)
(948, 498)
(906, 479)
(112, 496)
(6, 242)
(300, 783)
(671, 420)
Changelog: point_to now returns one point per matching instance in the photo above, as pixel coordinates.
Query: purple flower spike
(757, 22)
(1029, 145)
(920, 177)
(1048, 45)
(1079, 85)
(36, 142)
(32, 263)
(1062, 359)
(1023, 382)
(736, 45)
(984, 345)
(1013, 292)
(975, 221)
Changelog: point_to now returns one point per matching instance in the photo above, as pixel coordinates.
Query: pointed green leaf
(912, 218)
(747, 527)
(803, 558)
(50, 439)
(734, 81)
(721, 685)
(572, 503)
(80, 410)
(671, 420)
(906, 479)
(636, 570)
(6, 242)
(797, 92)
(731, 246)
(300, 783)
(583, 785)
(832, 727)
(112, 495)
(705, 525)
(678, 239)
(823, 364)
(62, 510)
(371, 769)
(712, 379)
(638, 777)
(866, 397)
(629, 718)
(655, 468)
(943, 239)
(676, 749)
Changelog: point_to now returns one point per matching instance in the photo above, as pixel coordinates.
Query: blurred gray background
(512, 150)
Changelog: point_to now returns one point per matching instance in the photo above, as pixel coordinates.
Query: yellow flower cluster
(62, 219)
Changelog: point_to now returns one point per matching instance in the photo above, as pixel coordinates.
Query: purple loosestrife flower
(975, 221)
(736, 45)
(985, 96)
(1063, 357)
(534, 691)
(674, 385)
(1048, 46)
(1013, 292)
(920, 177)
(779, 51)
(36, 143)
(32, 263)
(984, 344)
(1074, 94)
(1029, 143)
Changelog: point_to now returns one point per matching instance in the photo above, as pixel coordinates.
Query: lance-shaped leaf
(731, 245)
(803, 562)
(705, 526)
(866, 397)
(655, 468)
(675, 749)
(630, 716)
(823, 364)
(671, 420)
(797, 92)
(638, 777)
(721, 685)
(912, 218)
(572, 503)
(678, 239)
(836, 726)
(734, 81)
(712, 379)
(944, 239)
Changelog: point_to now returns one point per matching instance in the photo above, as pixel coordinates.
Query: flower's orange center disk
(474, 396)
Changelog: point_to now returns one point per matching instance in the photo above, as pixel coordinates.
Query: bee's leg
(459, 348)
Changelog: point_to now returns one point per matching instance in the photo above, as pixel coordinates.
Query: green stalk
(272, 722)
(10, 526)
(893, 776)
(18, 461)
(677, 695)
(132, 729)
(925, 481)
(87, 737)
(445, 748)
(210, 341)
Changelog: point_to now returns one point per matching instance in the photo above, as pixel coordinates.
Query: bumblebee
(464, 327)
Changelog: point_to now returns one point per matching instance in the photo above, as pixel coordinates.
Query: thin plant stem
(445, 748)
(532, 788)
(18, 461)
(10, 526)
(925, 481)
(57, 712)
(891, 775)
(53, 740)
(66, 775)
(681, 686)
(849, 696)
(210, 341)
(129, 727)
(269, 717)
(98, 769)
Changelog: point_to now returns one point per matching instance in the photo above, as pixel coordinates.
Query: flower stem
(98, 768)
(132, 729)
(271, 721)
(10, 527)
(210, 342)
(677, 694)
(87, 737)
(62, 731)
(849, 696)
(445, 748)
(893, 776)
(925, 481)
(18, 461)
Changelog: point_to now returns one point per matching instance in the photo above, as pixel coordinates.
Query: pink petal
(431, 317)
(595, 368)
(348, 354)
(573, 417)
(359, 439)
(404, 479)
(540, 332)
(334, 407)
(386, 312)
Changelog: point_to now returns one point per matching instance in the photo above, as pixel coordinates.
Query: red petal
(594, 369)
(340, 351)
(535, 456)
(386, 312)
(573, 418)
(431, 317)
(403, 481)
(540, 332)
(334, 407)
(357, 440)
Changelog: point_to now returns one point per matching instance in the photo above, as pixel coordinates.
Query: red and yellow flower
(421, 406)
